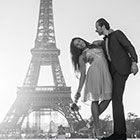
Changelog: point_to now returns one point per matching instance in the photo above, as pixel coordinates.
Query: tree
(133, 125)
(106, 125)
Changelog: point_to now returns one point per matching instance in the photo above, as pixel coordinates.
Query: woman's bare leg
(96, 109)
(101, 108)
(95, 113)
(103, 105)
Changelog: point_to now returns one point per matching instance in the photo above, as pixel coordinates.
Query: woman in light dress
(97, 79)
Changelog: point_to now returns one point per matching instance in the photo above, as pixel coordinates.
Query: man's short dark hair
(102, 22)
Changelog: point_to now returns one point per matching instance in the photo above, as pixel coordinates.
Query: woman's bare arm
(82, 73)
(97, 42)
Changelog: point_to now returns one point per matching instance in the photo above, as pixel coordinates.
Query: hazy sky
(18, 27)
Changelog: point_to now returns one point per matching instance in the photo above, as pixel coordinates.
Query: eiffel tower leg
(27, 124)
(37, 120)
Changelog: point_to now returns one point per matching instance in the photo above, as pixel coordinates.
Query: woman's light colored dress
(98, 83)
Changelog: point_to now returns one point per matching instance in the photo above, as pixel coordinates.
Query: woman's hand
(134, 68)
(77, 96)
(74, 106)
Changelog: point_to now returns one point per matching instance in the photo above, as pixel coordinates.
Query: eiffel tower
(33, 97)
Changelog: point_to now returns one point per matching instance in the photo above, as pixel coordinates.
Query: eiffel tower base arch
(36, 99)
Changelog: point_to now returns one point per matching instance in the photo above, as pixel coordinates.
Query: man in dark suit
(122, 60)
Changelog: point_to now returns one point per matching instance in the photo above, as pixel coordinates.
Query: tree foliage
(132, 124)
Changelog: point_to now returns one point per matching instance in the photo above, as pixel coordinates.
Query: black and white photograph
(69, 69)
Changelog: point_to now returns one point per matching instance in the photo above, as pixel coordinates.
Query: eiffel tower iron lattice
(32, 97)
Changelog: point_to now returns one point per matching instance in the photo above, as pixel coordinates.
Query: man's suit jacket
(121, 51)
